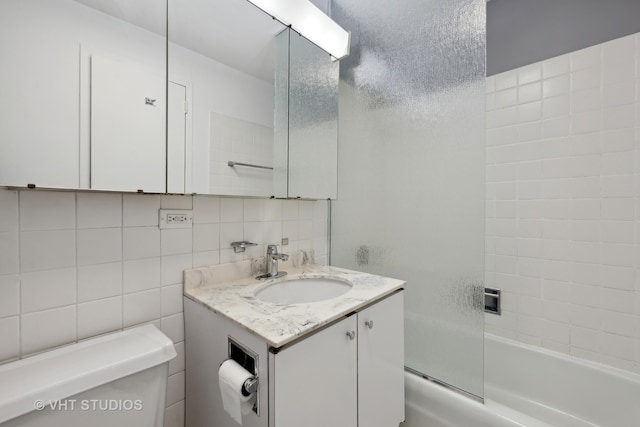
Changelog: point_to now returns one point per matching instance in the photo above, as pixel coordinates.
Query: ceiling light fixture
(305, 18)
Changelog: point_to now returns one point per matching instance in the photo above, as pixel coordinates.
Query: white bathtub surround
(229, 289)
(562, 174)
(74, 265)
(529, 386)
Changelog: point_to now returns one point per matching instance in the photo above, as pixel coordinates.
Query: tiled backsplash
(78, 264)
(563, 240)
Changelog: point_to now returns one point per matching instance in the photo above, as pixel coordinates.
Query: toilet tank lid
(67, 371)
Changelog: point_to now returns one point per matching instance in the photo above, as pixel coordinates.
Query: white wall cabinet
(347, 375)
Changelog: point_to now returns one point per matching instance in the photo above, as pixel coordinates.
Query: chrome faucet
(272, 263)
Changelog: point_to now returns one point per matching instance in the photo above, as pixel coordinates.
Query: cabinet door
(315, 380)
(381, 363)
(128, 131)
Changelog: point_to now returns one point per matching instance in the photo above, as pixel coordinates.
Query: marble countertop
(229, 290)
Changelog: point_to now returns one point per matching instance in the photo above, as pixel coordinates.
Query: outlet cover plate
(175, 218)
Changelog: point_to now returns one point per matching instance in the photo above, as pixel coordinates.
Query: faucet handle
(272, 249)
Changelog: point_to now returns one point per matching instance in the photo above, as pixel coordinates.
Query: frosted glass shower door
(411, 171)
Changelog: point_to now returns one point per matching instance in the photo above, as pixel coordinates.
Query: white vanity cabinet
(349, 374)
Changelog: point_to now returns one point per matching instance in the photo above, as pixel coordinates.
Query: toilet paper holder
(248, 360)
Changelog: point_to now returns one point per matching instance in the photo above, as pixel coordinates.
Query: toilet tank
(116, 380)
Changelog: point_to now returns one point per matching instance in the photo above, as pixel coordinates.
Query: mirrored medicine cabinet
(164, 96)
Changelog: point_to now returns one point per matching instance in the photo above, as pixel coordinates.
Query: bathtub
(531, 387)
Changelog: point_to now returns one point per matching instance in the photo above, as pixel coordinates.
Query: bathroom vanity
(335, 361)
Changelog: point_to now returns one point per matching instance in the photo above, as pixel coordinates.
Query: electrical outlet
(176, 218)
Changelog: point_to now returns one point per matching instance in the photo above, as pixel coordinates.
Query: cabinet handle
(351, 335)
(369, 324)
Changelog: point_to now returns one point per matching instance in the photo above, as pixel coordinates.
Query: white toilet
(116, 380)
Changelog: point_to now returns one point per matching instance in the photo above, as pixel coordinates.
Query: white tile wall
(78, 264)
(563, 194)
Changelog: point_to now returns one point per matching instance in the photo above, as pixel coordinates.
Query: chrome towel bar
(233, 164)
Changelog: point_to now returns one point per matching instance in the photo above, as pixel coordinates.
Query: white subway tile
(585, 231)
(558, 271)
(618, 140)
(586, 143)
(177, 364)
(141, 307)
(586, 58)
(586, 187)
(206, 209)
(586, 79)
(141, 242)
(556, 230)
(173, 327)
(174, 415)
(171, 300)
(617, 231)
(46, 250)
(556, 209)
(98, 210)
(619, 117)
(530, 267)
(560, 188)
(505, 117)
(556, 127)
(586, 273)
(530, 132)
(618, 277)
(530, 92)
(618, 209)
(99, 281)
(556, 290)
(253, 210)
(9, 296)
(99, 317)
(530, 248)
(231, 209)
(175, 389)
(556, 332)
(43, 330)
(206, 237)
(490, 84)
(531, 286)
(586, 209)
(8, 211)
(203, 259)
(529, 228)
(587, 317)
(228, 255)
(528, 190)
(589, 165)
(618, 186)
(531, 326)
(47, 210)
(618, 59)
(556, 106)
(560, 250)
(176, 241)
(619, 93)
(618, 346)
(529, 73)
(556, 148)
(10, 338)
(529, 209)
(587, 252)
(230, 232)
(556, 86)
(9, 258)
(556, 66)
(48, 289)
(502, 136)
(529, 112)
(290, 230)
(173, 266)
(99, 245)
(586, 122)
(506, 80)
(619, 324)
(586, 100)
(273, 210)
(506, 264)
(558, 168)
(506, 227)
(617, 300)
(588, 339)
(557, 311)
(139, 210)
(141, 274)
(176, 201)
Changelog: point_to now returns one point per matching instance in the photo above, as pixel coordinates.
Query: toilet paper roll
(231, 377)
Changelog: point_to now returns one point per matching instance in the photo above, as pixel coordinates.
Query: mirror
(83, 87)
(222, 95)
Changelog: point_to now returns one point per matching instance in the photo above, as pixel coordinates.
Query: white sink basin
(299, 291)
